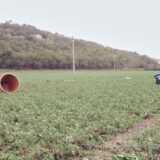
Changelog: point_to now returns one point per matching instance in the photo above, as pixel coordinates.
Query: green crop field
(56, 115)
(146, 144)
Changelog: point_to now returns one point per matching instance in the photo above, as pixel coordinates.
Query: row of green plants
(49, 118)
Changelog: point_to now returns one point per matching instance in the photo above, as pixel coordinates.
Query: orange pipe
(9, 83)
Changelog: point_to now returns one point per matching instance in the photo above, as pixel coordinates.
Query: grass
(52, 119)
(146, 144)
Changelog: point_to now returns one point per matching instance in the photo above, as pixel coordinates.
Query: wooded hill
(26, 47)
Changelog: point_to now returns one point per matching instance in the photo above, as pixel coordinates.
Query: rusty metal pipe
(9, 83)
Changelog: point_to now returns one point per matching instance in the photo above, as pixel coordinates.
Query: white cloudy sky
(132, 25)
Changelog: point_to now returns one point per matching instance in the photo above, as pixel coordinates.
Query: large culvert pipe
(9, 83)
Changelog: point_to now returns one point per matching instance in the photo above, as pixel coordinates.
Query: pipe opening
(9, 83)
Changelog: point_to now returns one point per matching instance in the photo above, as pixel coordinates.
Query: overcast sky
(132, 25)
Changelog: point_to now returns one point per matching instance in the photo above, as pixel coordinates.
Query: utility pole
(114, 59)
(124, 65)
(73, 57)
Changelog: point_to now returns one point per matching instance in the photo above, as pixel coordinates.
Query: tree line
(26, 47)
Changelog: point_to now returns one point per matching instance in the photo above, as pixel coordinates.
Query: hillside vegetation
(26, 47)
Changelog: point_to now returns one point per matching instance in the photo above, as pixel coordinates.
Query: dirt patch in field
(56, 81)
(107, 149)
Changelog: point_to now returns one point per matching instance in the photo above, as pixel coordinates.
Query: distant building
(19, 37)
(38, 36)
